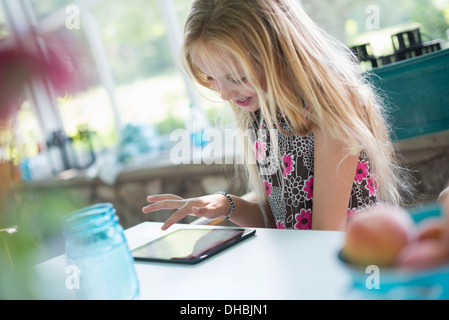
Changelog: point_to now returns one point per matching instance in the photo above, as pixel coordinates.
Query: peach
(420, 255)
(376, 237)
(432, 228)
(444, 199)
(444, 202)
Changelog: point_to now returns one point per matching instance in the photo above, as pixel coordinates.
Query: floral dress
(290, 190)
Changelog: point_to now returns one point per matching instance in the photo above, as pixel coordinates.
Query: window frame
(21, 20)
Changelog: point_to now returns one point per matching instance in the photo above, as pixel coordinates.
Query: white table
(272, 265)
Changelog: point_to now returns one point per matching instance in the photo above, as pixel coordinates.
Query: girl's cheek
(213, 85)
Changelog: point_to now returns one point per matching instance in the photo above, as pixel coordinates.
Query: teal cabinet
(417, 92)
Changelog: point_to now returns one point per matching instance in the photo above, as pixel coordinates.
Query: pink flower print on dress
(268, 187)
(371, 185)
(304, 220)
(362, 171)
(352, 213)
(261, 150)
(287, 164)
(280, 225)
(308, 188)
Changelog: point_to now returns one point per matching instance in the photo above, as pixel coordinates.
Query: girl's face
(230, 82)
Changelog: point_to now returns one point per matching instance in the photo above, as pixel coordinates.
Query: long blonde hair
(301, 65)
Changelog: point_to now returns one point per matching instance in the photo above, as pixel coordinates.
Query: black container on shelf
(365, 53)
(407, 39)
(407, 45)
(62, 152)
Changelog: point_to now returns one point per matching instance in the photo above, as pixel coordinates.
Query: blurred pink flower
(18, 66)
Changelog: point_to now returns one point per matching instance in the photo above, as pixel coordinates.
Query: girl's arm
(333, 180)
(249, 214)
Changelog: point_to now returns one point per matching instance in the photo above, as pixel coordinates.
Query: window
(3, 31)
(149, 90)
(44, 8)
(149, 86)
(123, 58)
(25, 132)
(88, 103)
(357, 22)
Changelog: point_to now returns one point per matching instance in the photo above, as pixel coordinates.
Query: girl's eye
(241, 81)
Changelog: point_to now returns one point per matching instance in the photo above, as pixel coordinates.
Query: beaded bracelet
(230, 201)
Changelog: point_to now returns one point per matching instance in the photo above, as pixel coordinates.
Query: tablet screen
(190, 245)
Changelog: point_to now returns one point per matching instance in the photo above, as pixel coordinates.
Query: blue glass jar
(98, 256)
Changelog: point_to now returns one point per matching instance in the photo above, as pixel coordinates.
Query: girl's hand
(210, 207)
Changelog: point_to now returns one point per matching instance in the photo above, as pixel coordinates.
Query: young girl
(321, 150)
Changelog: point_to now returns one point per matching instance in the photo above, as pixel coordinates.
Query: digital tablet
(190, 246)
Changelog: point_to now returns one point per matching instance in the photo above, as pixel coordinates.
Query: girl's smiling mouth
(244, 102)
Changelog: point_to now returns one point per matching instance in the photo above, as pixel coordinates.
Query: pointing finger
(162, 197)
(177, 216)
